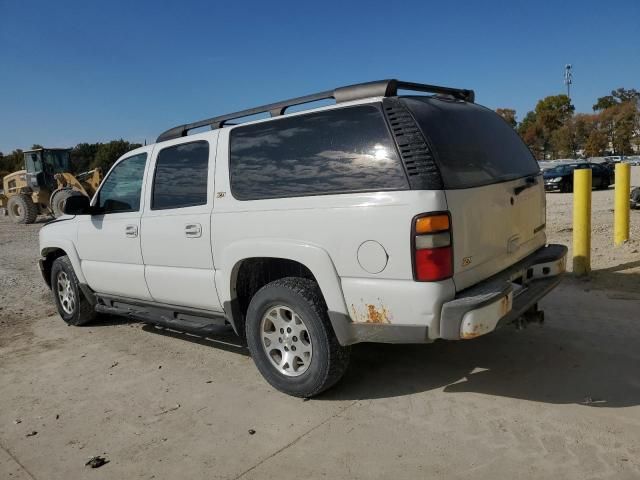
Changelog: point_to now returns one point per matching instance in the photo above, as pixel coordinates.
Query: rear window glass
(473, 146)
(334, 151)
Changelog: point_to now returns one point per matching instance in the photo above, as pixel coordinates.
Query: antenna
(568, 79)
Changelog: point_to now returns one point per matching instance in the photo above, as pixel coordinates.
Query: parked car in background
(613, 159)
(561, 177)
(635, 197)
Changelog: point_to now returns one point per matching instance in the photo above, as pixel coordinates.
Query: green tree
(36, 146)
(12, 162)
(621, 123)
(108, 153)
(82, 156)
(618, 96)
(570, 139)
(531, 134)
(552, 112)
(509, 115)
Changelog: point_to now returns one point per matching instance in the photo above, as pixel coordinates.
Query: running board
(190, 320)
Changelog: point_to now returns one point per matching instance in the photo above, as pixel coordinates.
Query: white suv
(382, 218)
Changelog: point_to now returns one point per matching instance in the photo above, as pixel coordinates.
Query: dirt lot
(558, 401)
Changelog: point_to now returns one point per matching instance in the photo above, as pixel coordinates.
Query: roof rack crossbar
(381, 88)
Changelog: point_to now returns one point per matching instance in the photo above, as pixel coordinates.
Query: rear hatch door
(493, 185)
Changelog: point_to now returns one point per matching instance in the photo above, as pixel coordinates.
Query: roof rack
(381, 88)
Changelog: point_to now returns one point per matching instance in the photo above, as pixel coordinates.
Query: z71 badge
(466, 261)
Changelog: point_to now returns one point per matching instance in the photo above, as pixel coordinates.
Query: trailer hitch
(533, 315)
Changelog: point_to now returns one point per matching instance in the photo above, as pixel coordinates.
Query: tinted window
(334, 151)
(473, 145)
(181, 176)
(120, 192)
(34, 164)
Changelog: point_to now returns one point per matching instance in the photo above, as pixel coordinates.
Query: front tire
(291, 339)
(73, 307)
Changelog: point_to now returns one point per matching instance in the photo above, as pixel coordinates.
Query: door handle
(131, 231)
(193, 230)
(530, 182)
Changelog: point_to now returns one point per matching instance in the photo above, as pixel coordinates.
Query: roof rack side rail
(381, 88)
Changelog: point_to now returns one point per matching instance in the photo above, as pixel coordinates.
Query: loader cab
(43, 164)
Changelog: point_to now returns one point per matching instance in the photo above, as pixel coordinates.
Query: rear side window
(473, 146)
(334, 151)
(180, 179)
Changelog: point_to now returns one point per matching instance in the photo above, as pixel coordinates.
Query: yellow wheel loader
(44, 185)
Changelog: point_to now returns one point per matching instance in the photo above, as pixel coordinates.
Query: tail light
(431, 245)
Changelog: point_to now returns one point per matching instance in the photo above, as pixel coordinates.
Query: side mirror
(77, 205)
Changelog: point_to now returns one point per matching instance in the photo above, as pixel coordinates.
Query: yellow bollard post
(621, 212)
(582, 221)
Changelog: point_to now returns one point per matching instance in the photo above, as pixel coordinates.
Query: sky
(90, 71)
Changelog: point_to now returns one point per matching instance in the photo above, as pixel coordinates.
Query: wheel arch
(57, 249)
(280, 259)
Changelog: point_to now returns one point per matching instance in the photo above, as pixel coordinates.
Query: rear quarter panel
(338, 225)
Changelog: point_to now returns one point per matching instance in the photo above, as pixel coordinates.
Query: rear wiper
(531, 182)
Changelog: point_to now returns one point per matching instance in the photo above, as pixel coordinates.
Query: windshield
(56, 161)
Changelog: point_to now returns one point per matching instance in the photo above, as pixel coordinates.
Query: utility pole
(568, 79)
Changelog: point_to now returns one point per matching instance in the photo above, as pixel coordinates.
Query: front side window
(181, 176)
(120, 191)
(334, 151)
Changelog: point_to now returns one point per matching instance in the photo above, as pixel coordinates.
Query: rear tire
(72, 305)
(59, 198)
(291, 339)
(22, 209)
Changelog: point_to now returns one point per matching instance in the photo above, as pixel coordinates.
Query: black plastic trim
(198, 321)
(417, 156)
(380, 88)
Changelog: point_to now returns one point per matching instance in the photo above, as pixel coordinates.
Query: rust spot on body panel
(376, 315)
(505, 305)
(371, 314)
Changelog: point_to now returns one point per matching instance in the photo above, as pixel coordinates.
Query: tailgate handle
(530, 182)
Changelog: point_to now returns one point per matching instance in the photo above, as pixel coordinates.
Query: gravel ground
(613, 267)
(23, 295)
(558, 401)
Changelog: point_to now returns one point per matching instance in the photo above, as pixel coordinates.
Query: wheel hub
(66, 294)
(286, 341)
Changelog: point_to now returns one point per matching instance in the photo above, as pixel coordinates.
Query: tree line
(554, 130)
(83, 157)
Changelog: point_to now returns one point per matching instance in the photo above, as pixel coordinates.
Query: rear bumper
(504, 297)
(478, 310)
